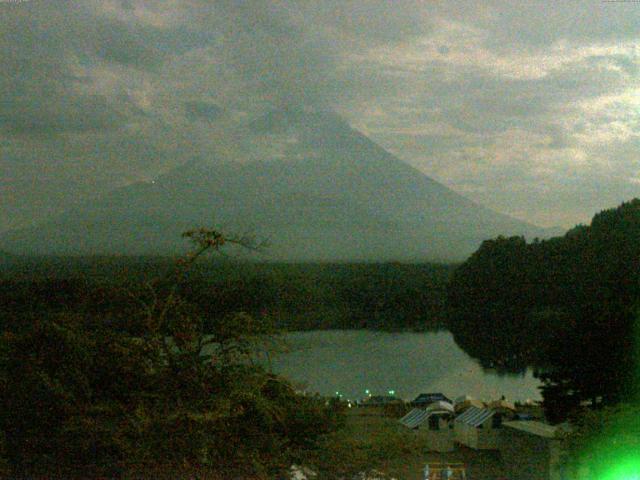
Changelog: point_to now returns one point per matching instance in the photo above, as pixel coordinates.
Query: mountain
(313, 186)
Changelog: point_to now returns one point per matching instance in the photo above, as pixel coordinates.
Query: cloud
(72, 114)
(198, 110)
(532, 111)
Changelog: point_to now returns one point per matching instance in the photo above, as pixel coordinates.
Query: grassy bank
(375, 441)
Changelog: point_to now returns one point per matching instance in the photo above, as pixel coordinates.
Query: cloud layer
(529, 108)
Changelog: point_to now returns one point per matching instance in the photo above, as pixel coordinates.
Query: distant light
(392, 392)
(366, 391)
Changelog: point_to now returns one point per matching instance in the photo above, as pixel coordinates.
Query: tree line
(567, 306)
(153, 393)
(385, 296)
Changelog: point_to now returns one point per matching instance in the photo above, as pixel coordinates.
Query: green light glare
(618, 450)
(636, 336)
(609, 439)
(609, 442)
(626, 468)
(618, 462)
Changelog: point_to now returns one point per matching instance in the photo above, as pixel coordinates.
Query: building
(530, 450)
(502, 406)
(414, 419)
(463, 402)
(434, 423)
(425, 399)
(436, 416)
(478, 428)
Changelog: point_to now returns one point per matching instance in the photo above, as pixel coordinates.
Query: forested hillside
(566, 305)
(389, 296)
(145, 391)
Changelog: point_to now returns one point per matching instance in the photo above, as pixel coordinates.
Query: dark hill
(568, 305)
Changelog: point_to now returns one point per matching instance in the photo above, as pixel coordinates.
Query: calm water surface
(351, 361)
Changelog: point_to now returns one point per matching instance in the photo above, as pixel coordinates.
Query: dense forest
(389, 296)
(566, 305)
(93, 387)
(138, 367)
(150, 390)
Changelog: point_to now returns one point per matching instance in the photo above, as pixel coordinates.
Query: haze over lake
(351, 362)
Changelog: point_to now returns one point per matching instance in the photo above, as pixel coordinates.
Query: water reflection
(351, 362)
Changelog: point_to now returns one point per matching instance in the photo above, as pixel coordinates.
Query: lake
(352, 361)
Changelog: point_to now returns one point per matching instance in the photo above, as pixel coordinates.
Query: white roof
(501, 404)
(469, 402)
(463, 398)
(533, 427)
(440, 406)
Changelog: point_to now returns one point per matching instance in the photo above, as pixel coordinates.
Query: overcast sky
(531, 108)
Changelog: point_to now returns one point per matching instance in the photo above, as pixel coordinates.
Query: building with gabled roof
(415, 418)
(463, 402)
(531, 450)
(478, 428)
(434, 422)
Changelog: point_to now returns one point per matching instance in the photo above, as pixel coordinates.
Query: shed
(504, 411)
(478, 428)
(434, 423)
(436, 416)
(414, 418)
(530, 450)
(463, 402)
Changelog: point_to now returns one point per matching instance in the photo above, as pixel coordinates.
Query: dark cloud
(274, 55)
(115, 42)
(198, 110)
(47, 54)
(516, 105)
(81, 113)
(372, 22)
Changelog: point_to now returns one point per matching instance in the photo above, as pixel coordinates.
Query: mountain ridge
(319, 189)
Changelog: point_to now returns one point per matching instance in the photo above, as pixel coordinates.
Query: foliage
(564, 305)
(396, 410)
(366, 442)
(386, 296)
(84, 396)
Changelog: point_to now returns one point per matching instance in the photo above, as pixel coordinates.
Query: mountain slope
(316, 188)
